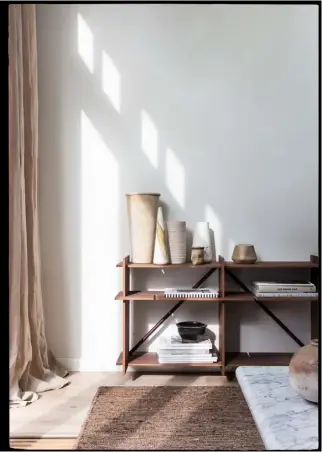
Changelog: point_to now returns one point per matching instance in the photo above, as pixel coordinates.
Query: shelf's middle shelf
(229, 297)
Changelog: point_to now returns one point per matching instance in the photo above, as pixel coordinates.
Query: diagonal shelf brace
(172, 310)
(266, 310)
(279, 322)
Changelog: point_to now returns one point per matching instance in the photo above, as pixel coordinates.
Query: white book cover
(275, 289)
(180, 351)
(190, 293)
(283, 283)
(197, 359)
(175, 341)
(285, 294)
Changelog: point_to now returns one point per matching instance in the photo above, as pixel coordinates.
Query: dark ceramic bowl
(191, 330)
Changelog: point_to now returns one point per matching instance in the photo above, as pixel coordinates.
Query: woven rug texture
(169, 418)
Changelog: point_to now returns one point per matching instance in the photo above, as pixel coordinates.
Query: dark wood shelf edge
(235, 359)
(234, 297)
(312, 263)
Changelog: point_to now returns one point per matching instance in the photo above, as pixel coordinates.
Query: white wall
(227, 95)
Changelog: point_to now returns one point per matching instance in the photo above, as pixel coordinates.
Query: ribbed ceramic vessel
(160, 255)
(201, 238)
(177, 236)
(304, 371)
(142, 211)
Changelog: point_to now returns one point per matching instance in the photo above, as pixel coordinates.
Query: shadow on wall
(178, 100)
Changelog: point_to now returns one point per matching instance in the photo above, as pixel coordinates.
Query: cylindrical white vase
(160, 256)
(201, 237)
(142, 212)
(177, 241)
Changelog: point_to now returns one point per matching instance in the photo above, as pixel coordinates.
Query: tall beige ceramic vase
(142, 213)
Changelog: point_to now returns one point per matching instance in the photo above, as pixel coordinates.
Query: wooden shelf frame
(226, 360)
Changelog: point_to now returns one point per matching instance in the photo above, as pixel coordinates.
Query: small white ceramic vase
(160, 255)
(201, 237)
(177, 241)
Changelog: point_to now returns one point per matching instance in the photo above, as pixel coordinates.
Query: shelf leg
(314, 305)
(126, 326)
(222, 348)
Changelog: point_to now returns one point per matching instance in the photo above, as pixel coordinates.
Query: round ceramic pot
(303, 371)
(142, 211)
(244, 254)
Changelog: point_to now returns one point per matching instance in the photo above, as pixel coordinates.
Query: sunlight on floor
(100, 245)
(149, 138)
(215, 225)
(175, 177)
(111, 81)
(85, 43)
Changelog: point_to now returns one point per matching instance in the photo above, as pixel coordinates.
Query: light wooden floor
(55, 420)
(43, 444)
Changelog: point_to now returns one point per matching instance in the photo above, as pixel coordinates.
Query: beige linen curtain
(33, 368)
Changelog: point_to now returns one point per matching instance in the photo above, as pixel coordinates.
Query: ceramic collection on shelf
(304, 369)
(153, 242)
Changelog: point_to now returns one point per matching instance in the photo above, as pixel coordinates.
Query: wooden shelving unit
(227, 361)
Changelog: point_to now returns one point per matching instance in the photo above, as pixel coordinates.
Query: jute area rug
(169, 418)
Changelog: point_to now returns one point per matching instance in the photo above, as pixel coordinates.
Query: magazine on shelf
(175, 341)
(284, 286)
(190, 293)
(285, 294)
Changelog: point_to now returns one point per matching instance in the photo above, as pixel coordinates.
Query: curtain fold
(32, 366)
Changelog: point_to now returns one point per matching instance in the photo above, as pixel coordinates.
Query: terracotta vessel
(142, 211)
(197, 255)
(244, 254)
(303, 371)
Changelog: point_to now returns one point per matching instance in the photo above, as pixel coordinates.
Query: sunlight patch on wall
(231, 246)
(216, 226)
(111, 81)
(99, 247)
(149, 138)
(175, 177)
(85, 43)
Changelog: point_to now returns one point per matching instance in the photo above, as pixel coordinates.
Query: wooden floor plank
(43, 444)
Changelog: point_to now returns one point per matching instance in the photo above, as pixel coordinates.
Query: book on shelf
(180, 351)
(176, 342)
(285, 294)
(188, 359)
(190, 293)
(284, 286)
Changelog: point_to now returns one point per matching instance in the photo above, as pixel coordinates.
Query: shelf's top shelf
(229, 264)
(273, 264)
(186, 265)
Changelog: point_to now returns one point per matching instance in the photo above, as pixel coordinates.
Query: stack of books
(174, 350)
(271, 289)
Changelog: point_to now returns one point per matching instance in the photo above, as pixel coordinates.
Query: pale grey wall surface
(227, 95)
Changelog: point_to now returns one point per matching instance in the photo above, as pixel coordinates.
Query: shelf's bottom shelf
(232, 360)
(257, 359)
(151, 359)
